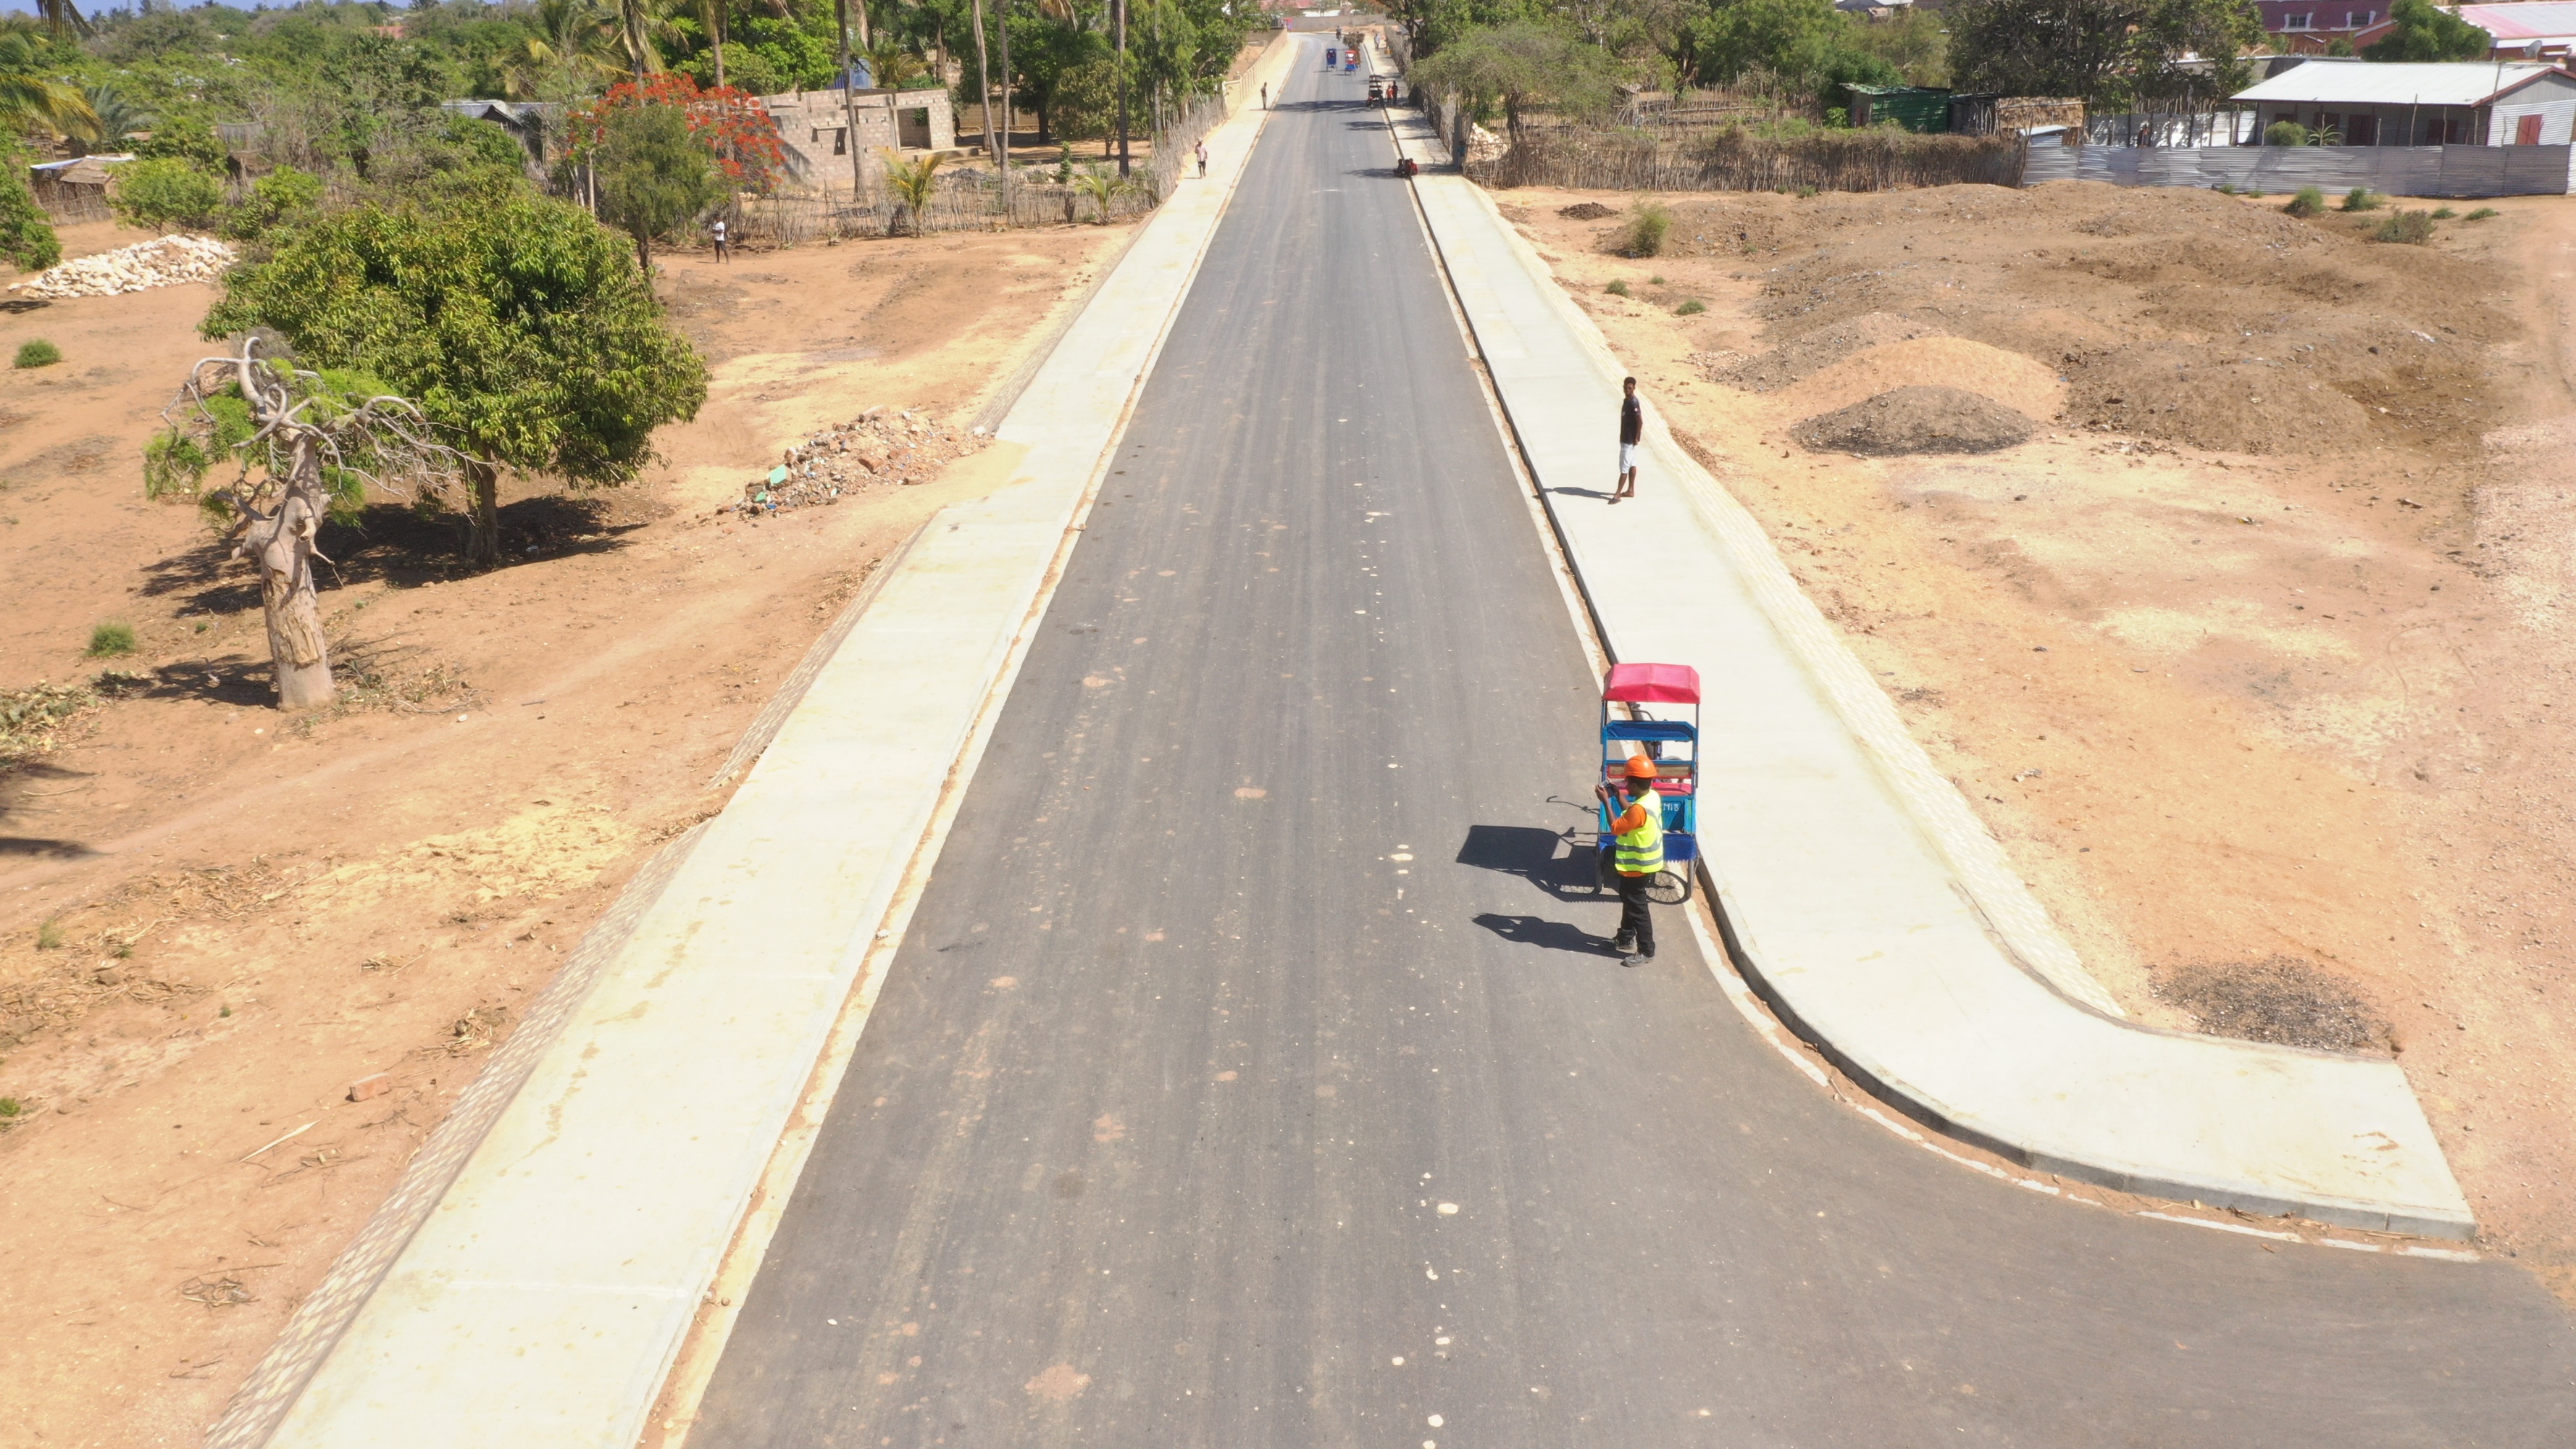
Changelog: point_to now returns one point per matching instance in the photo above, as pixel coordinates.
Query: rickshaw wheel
(1671, 888)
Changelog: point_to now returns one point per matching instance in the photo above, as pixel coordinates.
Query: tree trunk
(282, 546)
(717, 8)
(984, 82)
(483, 509)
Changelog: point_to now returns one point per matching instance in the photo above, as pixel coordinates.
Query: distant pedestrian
(1632, 430)
(1202, 160)
(1637, 856)
(1265, 95)
(724, 242)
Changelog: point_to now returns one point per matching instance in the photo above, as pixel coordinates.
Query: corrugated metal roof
(2530, 20)
(2346, 82)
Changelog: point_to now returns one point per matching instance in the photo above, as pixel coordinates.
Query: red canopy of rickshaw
(1652, 684)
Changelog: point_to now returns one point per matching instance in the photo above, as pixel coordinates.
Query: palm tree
(63, 15)
(1102, 188)
(890, 64)
(572, 44)
(29, 98)
(118, 117)
(911, 181)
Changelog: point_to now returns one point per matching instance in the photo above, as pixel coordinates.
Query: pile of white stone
(165, 263)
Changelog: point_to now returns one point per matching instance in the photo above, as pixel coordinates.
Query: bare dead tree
(301, 442)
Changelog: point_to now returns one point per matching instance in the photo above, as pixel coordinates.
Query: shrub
(2285, 133)
(2406, 226)
(2361, 198)
(1618, 288)
(1691, 308)
(2481, 214)
(2309, 202)
(280, 199)
(1647, 227)
(26, 232)
(2225, 188)
(49, 936)
(38, 353)
(184, 138)
(165, 194)
(9, 1107)
(109, 640)
(1656, 281)
(2443, 213)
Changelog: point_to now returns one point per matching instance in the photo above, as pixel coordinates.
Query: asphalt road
(1246, 961)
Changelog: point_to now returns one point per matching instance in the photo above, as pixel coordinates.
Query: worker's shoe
(1623, 945)
(1635, 958)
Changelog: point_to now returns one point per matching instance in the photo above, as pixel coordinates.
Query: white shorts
(1627, 456)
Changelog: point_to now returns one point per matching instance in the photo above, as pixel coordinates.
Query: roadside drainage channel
(1864, 899)
(534, 1284)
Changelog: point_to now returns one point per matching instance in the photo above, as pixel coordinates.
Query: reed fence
(1735, 159)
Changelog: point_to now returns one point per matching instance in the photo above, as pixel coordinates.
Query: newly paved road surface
(1245, 960)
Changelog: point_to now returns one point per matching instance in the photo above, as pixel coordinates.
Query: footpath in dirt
(214, 920)
(2217, 555)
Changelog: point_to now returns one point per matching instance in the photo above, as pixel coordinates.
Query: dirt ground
(2255, 654)
(214, 920)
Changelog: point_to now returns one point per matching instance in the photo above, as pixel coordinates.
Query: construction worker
(1637, 854)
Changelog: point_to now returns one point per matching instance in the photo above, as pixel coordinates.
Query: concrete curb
(541, 1286)
(1858, 891)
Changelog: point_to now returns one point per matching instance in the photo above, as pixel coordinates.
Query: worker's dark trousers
(1635, 921)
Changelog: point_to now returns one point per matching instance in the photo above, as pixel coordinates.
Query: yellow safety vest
(1641, 851)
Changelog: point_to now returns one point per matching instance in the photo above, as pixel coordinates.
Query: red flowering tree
(736, 128)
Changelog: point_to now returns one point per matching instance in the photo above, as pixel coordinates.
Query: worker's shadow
(1545, 858)
(1545, 934)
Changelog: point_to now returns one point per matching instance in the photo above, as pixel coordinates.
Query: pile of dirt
(2173, 314)
(1809, 353)
(1585, 211)
(141, 267)
(2283, 1000)
(877, 447)
(1916, 420)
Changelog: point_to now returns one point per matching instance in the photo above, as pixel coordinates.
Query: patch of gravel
(1916, 420)
(2282, 999)
(1585, 211)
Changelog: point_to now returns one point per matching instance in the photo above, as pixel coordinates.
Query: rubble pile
(167, 262)
(877, 447)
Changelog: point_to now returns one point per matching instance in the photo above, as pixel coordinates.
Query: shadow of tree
(400, 544)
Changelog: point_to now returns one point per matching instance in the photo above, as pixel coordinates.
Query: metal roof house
(2465, 103)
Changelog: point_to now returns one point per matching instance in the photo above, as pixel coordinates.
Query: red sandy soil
(2256, 655)
(251, 912)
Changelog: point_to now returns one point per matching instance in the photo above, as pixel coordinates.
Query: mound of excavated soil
(1916, 420)
(1585, 211)
(2173, 314)
(2028, 387)
(1809, 353)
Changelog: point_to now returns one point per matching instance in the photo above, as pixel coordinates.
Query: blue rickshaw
(1653, 710)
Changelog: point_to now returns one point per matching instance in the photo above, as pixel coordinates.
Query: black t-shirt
(1632, 420)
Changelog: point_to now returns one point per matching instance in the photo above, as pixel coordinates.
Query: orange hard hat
(1640, 768)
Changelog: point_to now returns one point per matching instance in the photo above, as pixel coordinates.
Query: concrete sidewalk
(543, 1300)
(1870, 905)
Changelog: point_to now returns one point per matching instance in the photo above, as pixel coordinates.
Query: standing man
(1203, 160)
(1637, 854)
(724, 243)
(1632, 430)
(1265, 95)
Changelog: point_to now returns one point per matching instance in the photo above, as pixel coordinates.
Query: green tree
(283, 198)
(184, 138)
(26, 232)
(164, 194)
(2104, 52)
(653, 175)
(1915, 41)
(2423, 31)
(1521, 66)
(1806, 43)
(525, 330)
